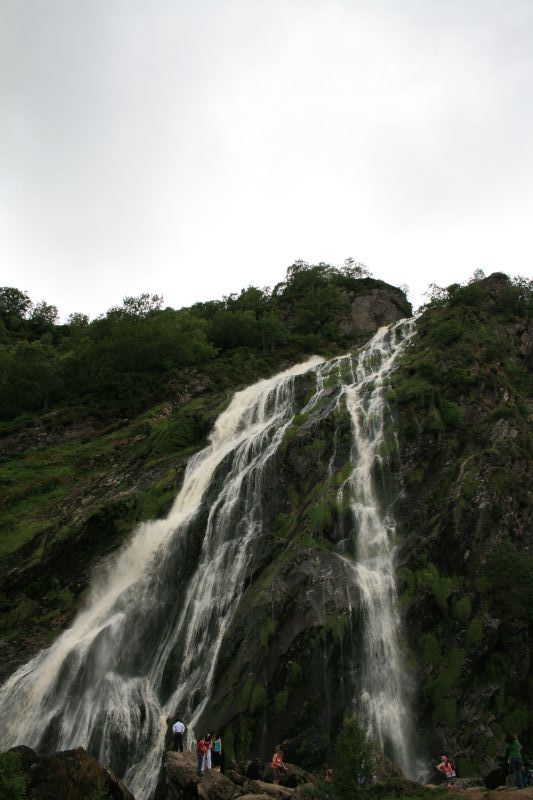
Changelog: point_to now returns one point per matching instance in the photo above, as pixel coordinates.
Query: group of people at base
(209, 754)
(513, 763)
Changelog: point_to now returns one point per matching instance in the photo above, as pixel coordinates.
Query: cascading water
(384, 693)
(147, 641)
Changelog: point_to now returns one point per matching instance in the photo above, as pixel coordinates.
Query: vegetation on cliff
(462, 401)
(131, 356)
(99, 418)
(79, 475)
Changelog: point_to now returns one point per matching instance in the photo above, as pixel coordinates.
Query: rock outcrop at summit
(383, 305)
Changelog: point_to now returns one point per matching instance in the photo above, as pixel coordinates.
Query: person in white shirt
(178, 729)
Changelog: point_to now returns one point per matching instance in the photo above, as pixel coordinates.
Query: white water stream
(147, 642)
(385, 690)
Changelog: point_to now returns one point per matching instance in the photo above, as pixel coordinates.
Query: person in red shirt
(201, 750)
(277, 764)
(447, 768)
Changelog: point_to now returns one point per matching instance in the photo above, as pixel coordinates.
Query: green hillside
(99, 419)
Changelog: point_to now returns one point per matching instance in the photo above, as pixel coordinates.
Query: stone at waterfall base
(68, 775)
(183, 783)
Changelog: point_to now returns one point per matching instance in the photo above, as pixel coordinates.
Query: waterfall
(146, 642)
(383, 698)
(384, 692)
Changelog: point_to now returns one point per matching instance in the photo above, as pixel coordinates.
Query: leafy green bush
(12, 780)
(354, 759)
(309, 791)
(507, 580)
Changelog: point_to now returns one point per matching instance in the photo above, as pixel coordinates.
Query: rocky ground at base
(68, 775)
(75, 775)
(183, 783)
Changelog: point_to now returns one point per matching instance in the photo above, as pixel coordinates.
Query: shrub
(280, 701)
(258, 697)
(354, 756)
(12, 780)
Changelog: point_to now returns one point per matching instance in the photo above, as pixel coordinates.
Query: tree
(30, 377)
(354, 760)
(142, 305)
(14, 306)
(477, 276)
(78, 320)
(44, 315)
(435, 295)
(355, 269)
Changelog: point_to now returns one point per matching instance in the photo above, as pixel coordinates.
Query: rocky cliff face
(455, 476)
(463, 421)
(77, 486)
(459, 453)
(382, 305)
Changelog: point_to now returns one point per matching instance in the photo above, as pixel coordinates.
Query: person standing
(217, 752)
(277, 764)
(208, 744)
(201, 750)
(447, 768)
(178, 729)
(516, 762)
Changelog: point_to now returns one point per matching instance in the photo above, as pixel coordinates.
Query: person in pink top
(277, 764)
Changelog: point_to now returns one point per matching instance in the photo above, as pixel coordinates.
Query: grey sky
(193, 148)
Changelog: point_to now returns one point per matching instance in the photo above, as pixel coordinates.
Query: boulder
(383, 305)
(184, 784)
(270, 789)
(296, 776)
(469, 783)
(215, 786)
(235, 777)
(182, 780)
(255, 797)
(68, 775)
(385, 769)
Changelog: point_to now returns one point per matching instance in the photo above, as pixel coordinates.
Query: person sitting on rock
(447, 768)
(178, 729)
(277, 764)
(201, 750)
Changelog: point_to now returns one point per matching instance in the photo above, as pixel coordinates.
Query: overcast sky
(193, 148)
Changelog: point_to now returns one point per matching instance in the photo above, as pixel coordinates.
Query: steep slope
(463, 401)
(447, 457)
(77, 479)
(455, 475)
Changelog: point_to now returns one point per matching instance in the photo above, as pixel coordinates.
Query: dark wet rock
(235, 777)
(385, 769)
(296, 776)
(383, 305)
(400, 787)
(215, 786)
(68, 775)
(182, 780)
(274, 790)
(469, 783)
(255, 796)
